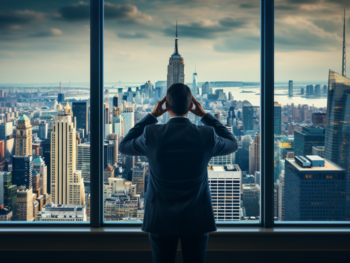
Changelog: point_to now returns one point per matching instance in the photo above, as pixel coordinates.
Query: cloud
(50, 33)
(328, 25)
(123, 13)
(198, 30)
(12, 20)
(230, 22)
(132, 35)
(236, 45)
(248, 5)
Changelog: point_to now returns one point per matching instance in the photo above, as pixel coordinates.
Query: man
(178, 202)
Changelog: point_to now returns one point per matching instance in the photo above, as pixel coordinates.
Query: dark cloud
(123, 13)
(197, 30)
(248, 5)
(50, 33)
(17, 18)
(230, 22)
(342, 3)
(132, 35)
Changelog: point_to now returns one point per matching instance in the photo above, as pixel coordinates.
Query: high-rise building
(66, 183)
(337, 148)
(280, 196)
(106, 108)
(43, 130)
(194, 84)
(223, 159)
(6, 129)
(303, 187)
(176, 67)
(115, 101)
(290, 88)
(206, 88)
(248, 115)
(61, 98)
(24, 205)
(23, 137)
(277, 119)
(138, 178)
(40, 168)
(225, 187)
(8, 191)
(251, 199)
(319, 119)
(308, 137)
(318, 150)
(128, 119)
(81, 113)
(83, 163)
(22, 168)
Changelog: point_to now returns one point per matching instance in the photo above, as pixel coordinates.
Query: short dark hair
(179, 98)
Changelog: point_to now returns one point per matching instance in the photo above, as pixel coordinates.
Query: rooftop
(24, 118)
(329, 166)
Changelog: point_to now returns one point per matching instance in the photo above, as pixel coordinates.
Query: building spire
(344, 51)
(176, 45)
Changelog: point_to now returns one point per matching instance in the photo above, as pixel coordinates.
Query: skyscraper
(43, 130)
(23, 137)
(138, 178)
(248, 115)
(40, 168)
(81, 112)
(206, 88)
(66, 183)
(128, 119)
(6, 129)
(83, 163)
(290, 88)
(106, 108)
(277, 119)
(176, 67)
(194, 83)
(337, 147)
(308, 137)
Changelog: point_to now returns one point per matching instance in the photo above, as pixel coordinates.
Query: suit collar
(180, 120)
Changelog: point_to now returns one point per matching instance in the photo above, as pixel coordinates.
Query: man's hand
(198, 111)
(158, 110)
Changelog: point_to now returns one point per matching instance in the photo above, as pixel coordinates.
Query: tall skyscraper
(308, 137)
(43, 130)
(225, 187)
(138, 178)
(337, 147)
(303, 200)
(83, 163)
(67, 186)
(248, 115)
(290, 88)
(40, 168)
(81, 112)
(176, 67)
(23, 137)
(206, 88)
(277, 119)
(223, 159)
(128, 119)
(106, 108)
(24, 210)
(115, 101)
(194, 83)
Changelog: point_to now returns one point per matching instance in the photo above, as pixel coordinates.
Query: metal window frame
(266, 139)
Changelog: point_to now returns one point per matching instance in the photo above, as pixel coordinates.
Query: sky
(45, 41)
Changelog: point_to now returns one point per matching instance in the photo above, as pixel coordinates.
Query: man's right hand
(198, 111)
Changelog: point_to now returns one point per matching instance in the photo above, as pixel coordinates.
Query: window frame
(266, 139)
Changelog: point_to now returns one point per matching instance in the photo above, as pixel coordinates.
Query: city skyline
(49, 42)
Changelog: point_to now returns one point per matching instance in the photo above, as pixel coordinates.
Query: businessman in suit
(178, 201)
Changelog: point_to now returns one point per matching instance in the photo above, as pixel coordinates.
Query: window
(217, 51)
(44, 110)
(311, 113)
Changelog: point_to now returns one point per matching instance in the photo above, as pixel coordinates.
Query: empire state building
(176, 67)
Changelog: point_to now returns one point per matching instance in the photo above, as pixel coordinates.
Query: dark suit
(178, 200)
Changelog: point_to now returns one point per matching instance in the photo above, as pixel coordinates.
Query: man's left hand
(158, 110)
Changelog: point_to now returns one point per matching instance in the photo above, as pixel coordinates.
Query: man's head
(179, 99)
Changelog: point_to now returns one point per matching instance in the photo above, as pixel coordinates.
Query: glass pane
(311, 112)
(216, 52)
(44, 111)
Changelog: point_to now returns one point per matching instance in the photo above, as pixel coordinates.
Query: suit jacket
(178, 200)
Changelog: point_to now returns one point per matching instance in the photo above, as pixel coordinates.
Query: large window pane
(217, 54)
(311, 112)
(44, 111)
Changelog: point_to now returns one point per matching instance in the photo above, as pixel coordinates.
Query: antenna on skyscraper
(176, 30)
(344, 51)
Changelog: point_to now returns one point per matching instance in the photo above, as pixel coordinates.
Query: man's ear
(167, 106)
(191, 106)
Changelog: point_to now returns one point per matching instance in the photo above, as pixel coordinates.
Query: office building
(5, 213)
(318, 150)
(61, 213)
(225, 188)
(223, 159)
(206, 88)
(277, 119)
(106, 108)
(8, 191)
(115, 101)
(194, 84)
(138, 178)
(128, 119)
(280, 196)
(6, 129)
(337, 148)
(40, 168)
(316, 193)
(46, 149)
(22, 168)
(24, 211)
(176, 67)
(251, 199)
(308, 137)
(81, 113)
(43, 130)
(83, 162)
(290, 88)
(61, 98)
(248, 116)
(67, 186)
(319, 119)
(23, 137)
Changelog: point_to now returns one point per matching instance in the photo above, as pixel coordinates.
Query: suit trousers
(193, 247)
